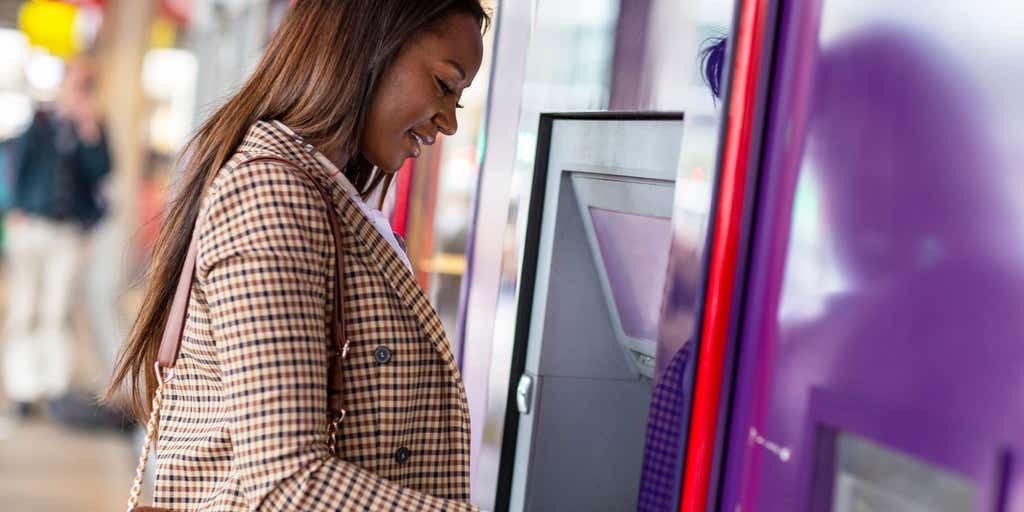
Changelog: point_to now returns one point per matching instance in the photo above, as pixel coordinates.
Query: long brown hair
(317, 76)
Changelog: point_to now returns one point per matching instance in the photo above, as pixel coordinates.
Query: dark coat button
(402, 455)
(382, 354)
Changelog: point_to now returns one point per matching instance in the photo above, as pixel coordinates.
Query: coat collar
(266, 138)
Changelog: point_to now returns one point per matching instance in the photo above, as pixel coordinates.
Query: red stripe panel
(708, 386)
(400, 215)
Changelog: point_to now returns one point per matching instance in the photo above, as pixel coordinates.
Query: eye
(446, 90)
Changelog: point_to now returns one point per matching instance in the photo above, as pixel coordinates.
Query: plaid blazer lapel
(265, 137)
(397, 274)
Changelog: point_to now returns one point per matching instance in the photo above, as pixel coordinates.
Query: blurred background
(113, 88)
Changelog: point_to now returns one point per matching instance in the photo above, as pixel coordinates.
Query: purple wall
(886, 293)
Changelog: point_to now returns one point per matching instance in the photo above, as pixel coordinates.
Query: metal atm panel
(593, 275)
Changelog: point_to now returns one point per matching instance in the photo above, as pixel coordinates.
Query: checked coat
(243, 420)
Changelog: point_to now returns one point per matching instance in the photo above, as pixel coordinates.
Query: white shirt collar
(375, 216)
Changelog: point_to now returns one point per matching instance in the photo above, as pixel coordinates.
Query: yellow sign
(163, 33)
(51, 25)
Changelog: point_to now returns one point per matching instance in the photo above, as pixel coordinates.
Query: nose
(446, 121)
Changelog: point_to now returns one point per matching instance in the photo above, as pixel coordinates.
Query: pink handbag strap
(170, 344)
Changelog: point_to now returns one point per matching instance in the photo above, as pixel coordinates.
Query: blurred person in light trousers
(58, 166)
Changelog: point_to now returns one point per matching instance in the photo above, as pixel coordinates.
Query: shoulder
(261, 173)
(262, 203)
(272, 186)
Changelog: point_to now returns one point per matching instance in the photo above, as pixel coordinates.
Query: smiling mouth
(419, 142)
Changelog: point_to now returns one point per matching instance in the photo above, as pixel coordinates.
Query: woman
(347, 90)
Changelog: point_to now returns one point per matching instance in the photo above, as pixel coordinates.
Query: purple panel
(632, 248)
(886, 280)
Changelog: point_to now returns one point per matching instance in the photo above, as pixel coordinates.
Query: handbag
(170, 343)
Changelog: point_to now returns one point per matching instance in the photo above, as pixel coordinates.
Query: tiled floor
(44, 467)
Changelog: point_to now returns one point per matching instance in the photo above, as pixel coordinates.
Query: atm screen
(872, 478)
(634, 250)
(628, 227)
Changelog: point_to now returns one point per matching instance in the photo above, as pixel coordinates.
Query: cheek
(402, 101)
(381, 116)
(411, 99)
(394, 104)
(382, 122)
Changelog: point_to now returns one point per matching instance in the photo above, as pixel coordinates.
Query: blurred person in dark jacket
(59, 164)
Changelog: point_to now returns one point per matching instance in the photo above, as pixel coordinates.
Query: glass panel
(889, 205)
(872, 478)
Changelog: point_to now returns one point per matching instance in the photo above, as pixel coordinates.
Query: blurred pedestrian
(58, 166)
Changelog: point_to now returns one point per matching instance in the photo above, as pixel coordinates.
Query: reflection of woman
(347, 91)
(58, 167)
(664, 443)
(912, 207)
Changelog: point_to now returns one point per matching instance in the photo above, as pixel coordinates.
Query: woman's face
(418, 93)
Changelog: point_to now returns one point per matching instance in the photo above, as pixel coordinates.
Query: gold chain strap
(332, 433)
(334, 423)
(133, 498)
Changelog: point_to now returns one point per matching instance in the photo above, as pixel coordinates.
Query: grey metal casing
(580, 445)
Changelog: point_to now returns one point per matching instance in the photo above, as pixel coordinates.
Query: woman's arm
(264, 248)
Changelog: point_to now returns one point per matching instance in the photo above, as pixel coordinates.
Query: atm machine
(594, 264)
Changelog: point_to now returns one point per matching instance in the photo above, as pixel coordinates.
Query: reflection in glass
(872, 478)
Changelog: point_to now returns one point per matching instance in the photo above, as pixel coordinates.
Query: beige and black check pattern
(242, 425)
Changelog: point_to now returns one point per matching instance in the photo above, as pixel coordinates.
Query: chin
(391, 167)
(385, 160)
(395, 164)
(380, 163)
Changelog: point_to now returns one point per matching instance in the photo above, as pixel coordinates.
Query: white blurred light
(526, 146)
(693, 196)
(167, 72)
(458, 176)
(17, 109)
(11, 38)
(169, 76)
(44, 72)
(12, 58)
(579, 12)
(87, 25)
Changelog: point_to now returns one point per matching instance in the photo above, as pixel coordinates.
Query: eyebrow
(462, 72)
